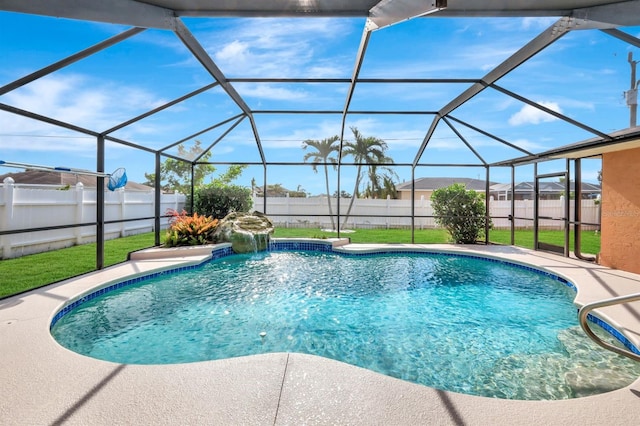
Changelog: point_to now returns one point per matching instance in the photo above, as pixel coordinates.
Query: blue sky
(583, 75)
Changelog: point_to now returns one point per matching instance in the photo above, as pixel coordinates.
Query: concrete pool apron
(43, 383)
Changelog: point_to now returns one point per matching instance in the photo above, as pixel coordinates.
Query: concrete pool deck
(46, 384)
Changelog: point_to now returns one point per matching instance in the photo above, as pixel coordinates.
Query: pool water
(451, 322)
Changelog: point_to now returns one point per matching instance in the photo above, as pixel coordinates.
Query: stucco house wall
(620, 244)
(406, 195)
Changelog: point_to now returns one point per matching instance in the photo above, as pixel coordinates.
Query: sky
(583, 75)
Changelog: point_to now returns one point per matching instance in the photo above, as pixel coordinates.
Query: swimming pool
(452, 322)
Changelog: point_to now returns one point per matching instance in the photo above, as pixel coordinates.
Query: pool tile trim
(330, 247)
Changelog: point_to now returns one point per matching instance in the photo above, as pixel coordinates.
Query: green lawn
(590, 241)
(28, 272)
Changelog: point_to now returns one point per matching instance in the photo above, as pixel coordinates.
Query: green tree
(369, 151)
(460, 211)
(323, 155)
(218, 201)
(381, 184)
(278, 190)
(343, 194)
(232, 173)
(176, 174)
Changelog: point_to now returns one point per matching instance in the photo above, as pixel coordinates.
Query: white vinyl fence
(370, 213)
(29, 206)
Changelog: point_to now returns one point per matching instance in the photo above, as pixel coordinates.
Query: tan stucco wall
(406, 195)
(620, 244)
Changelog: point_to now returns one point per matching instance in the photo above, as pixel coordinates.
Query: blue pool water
(450, 322)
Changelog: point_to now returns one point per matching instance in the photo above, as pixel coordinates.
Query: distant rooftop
(427, 183)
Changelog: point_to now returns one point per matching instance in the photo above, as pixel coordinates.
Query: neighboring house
(426, 186)
(548, 190)
(63, 179)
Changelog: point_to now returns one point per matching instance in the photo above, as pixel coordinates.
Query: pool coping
(47, 384)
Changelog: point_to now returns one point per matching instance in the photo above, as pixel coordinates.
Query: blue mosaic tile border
(615, 333)
(215, 254)
(276, 246)
(301, 245)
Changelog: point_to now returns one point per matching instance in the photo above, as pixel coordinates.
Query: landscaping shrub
(218, 201)
(460, 212)
(186, 230)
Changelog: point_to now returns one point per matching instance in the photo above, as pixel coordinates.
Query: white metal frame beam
(390, 12)
(123, 12)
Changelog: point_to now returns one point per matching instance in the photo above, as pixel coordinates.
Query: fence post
(422, 219)
(386, 219)
(123, 212)
(79, 211)
(9, 189)
(563, 208)
(288, 201)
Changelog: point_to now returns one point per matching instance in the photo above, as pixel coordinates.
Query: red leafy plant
(189, 230)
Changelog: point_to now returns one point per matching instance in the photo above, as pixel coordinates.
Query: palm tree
(381, 184)
(368, 151)
(324, 149)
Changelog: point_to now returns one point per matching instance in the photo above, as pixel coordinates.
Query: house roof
(40, 177)
(544, 187)
(429, 183)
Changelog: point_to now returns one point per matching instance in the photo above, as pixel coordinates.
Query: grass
(28, 272)
(590, 241)
(32, 271)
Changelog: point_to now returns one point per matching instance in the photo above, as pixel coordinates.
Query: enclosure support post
(156, 195)
(193, 177)
(100, 203)
(264, 191)
(567, 208)
(536, 193)
(513, 205)
(413, 204)
(339, 193)
(486, 205)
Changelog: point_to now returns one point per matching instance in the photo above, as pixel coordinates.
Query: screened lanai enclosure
(500, 92)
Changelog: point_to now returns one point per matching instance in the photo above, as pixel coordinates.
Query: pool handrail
(586, 309)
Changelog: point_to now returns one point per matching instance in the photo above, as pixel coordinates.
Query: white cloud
(75, 99)
(281, 47)
(528, 145)
(531, 115)
(265, 91)
(234, 51)
(538, 23)
(83, 101)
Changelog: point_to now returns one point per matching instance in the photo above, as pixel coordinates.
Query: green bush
(219, 200)
(460, 212)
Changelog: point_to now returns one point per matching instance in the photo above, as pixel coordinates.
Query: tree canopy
(323, 154)
(176, 174)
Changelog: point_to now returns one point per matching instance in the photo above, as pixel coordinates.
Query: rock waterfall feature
(247, 232)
